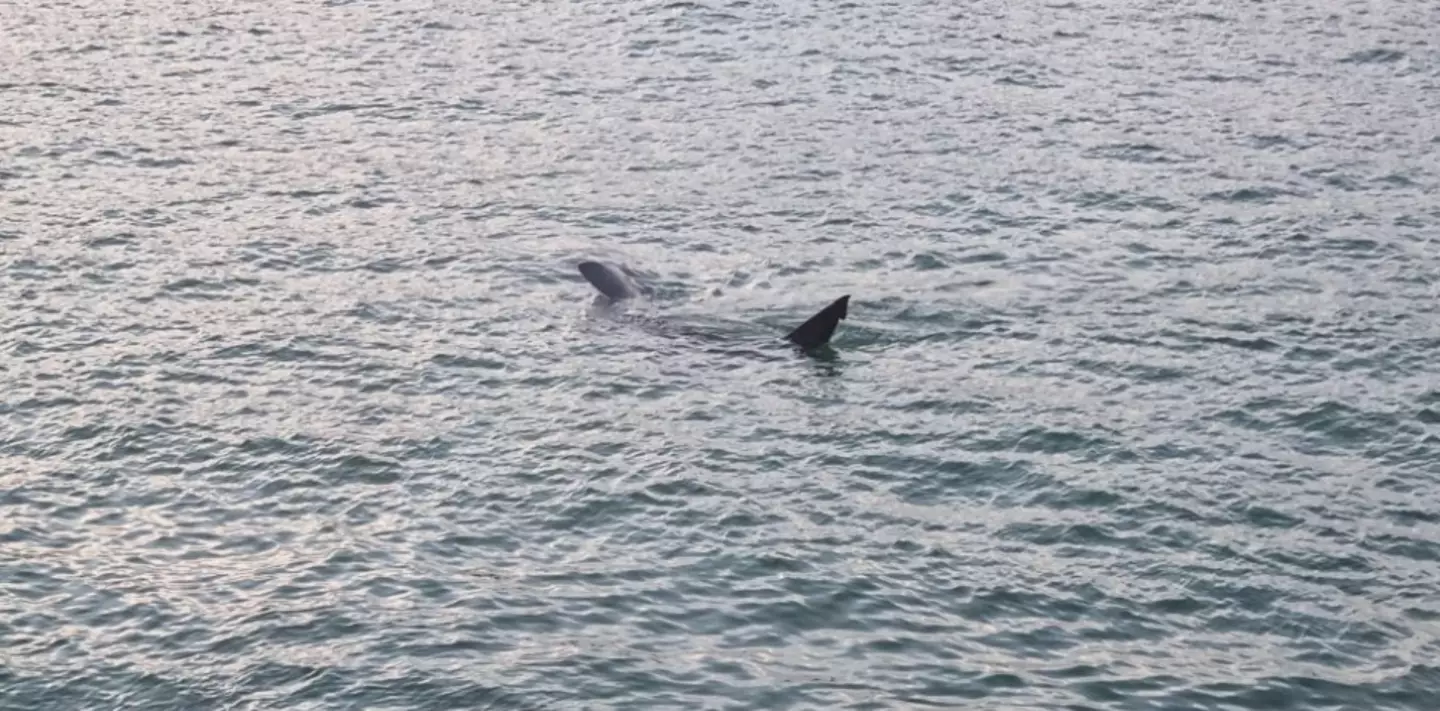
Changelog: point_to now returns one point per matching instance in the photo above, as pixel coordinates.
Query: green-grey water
(306, 406)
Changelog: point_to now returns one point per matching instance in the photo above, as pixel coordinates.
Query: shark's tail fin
(817, 331)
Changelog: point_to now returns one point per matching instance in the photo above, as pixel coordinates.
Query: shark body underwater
(616, 284)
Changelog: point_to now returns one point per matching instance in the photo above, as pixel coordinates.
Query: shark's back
(613, 282)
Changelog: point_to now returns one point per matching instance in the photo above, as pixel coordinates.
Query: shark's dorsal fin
(610, 280)
(817, 331)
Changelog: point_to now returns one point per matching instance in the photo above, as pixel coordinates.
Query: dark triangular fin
(610, 280)
(818, 330)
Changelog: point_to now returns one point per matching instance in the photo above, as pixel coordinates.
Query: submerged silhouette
(617, 284)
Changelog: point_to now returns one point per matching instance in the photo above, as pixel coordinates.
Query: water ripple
(307, 406)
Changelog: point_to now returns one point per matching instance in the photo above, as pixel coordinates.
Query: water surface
(305, 405)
